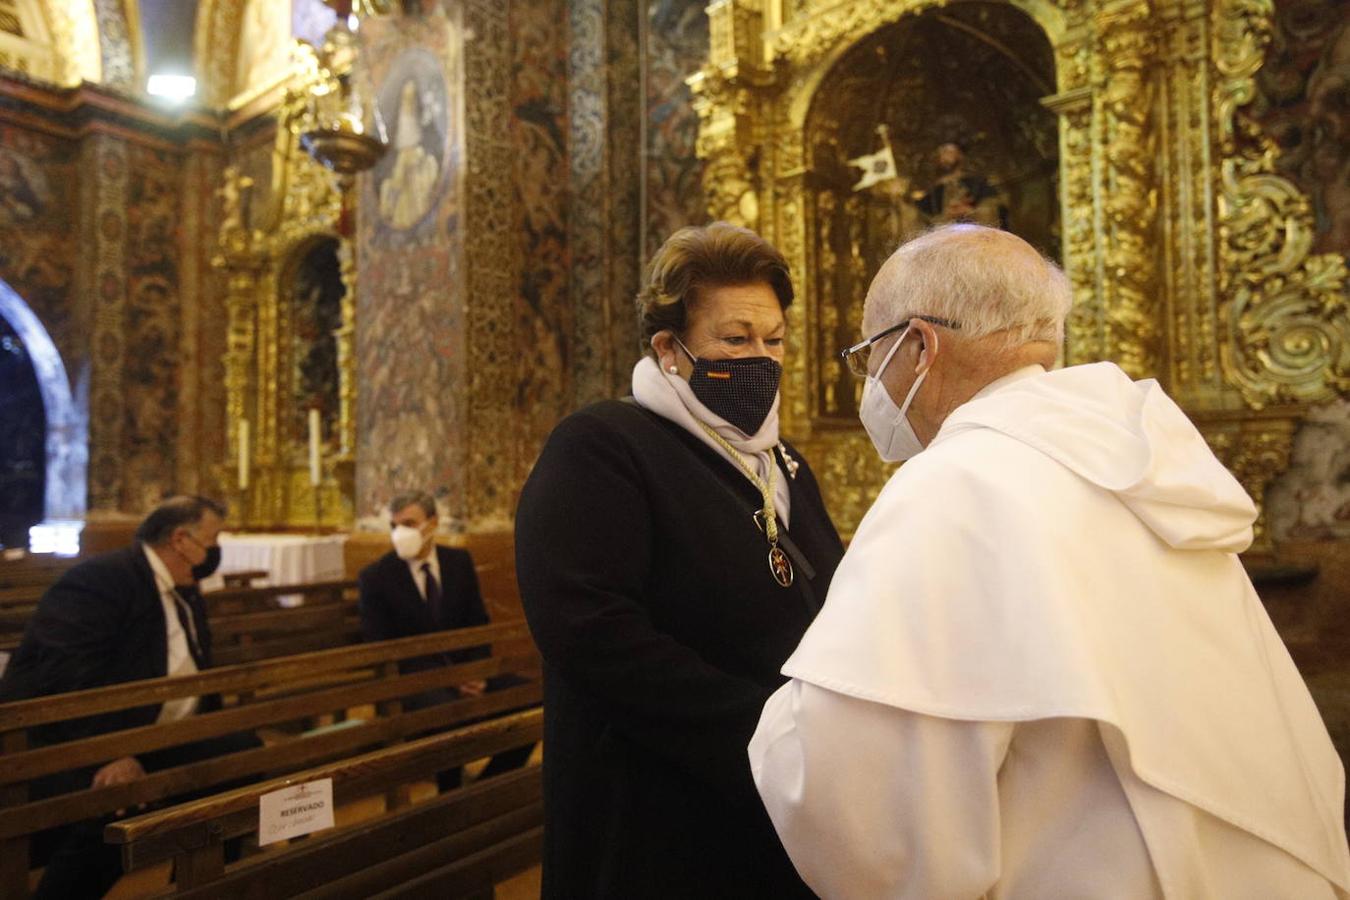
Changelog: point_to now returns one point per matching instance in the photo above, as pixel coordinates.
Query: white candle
(243, 454)
(314, 447)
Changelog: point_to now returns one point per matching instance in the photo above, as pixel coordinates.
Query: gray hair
(410, 498)
(174, 513)
(989, 281)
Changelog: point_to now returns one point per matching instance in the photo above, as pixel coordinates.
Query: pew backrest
(249, 624)
(501, 817)
(289, 694)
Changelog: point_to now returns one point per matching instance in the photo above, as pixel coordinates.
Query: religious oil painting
(410, 179)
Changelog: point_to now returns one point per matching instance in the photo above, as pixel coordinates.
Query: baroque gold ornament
(1188, 255)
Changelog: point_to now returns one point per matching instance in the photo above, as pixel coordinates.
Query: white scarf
(670, 397)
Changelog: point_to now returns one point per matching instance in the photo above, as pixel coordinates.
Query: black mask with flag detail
(742, 391)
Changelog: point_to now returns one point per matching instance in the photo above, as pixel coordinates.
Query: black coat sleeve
(583, 552)
(78, 639)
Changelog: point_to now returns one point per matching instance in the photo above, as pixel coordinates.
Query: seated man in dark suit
(124, 616)
(420, 587)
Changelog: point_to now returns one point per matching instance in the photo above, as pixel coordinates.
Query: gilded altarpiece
(1189, 256)
(269, 254)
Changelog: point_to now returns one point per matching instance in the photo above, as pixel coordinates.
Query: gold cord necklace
(780, 567)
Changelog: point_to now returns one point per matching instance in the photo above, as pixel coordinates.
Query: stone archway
(67, 411)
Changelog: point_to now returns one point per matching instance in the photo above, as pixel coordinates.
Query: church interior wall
(676, 47)
(539, 132)
(38, 238)
(506, 304)
(410, 316)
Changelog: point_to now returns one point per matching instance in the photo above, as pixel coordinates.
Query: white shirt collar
(163, 580)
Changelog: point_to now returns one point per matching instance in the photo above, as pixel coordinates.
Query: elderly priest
(1041, 670)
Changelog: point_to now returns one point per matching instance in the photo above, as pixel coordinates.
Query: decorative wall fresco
(1302, 105)
(677, 46)
(115, 43)
(539, 138)
(410, 334)
(604, 155)
(103, 206)
(152, 360)
(38, 245)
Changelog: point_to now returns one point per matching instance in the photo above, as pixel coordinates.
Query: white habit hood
(1065, 548)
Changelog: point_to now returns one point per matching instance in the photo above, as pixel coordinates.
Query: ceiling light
(175, 88)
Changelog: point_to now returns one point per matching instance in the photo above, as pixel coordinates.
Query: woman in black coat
(671, 550)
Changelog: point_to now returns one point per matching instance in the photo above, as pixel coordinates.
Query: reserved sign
(295, 810)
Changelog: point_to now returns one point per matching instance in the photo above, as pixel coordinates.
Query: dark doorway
(23, 438)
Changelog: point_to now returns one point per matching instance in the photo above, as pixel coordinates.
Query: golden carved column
(258, 258)
(1123, 94)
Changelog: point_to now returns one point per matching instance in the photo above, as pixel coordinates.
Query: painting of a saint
(413, 104)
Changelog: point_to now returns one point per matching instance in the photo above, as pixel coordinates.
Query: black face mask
(742, 391)
(207, 567)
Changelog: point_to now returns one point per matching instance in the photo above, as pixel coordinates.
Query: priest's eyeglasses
(858, 356)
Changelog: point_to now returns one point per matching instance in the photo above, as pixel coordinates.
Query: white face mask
(407, 541)
(888, 425)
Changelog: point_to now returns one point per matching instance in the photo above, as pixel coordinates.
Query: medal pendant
(780, 566)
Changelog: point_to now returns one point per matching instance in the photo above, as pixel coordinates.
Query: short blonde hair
(697, 257)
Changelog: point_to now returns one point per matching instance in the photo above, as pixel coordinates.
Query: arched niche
(312, 293)
(973, 74)
(66, 413)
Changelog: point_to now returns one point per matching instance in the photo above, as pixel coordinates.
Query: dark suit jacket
(101, 623)
(392, 607)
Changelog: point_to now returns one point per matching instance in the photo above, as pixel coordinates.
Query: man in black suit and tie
(124, 616)
(420, 587)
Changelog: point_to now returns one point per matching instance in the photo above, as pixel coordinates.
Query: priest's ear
(929, 345)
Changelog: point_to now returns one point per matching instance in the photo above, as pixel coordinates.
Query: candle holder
(318, 509)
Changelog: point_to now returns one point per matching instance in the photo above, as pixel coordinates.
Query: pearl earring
(674, 370)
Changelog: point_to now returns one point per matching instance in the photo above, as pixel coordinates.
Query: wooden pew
(285, 696)
(247, 624)
(456, 845)
(38, 570)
